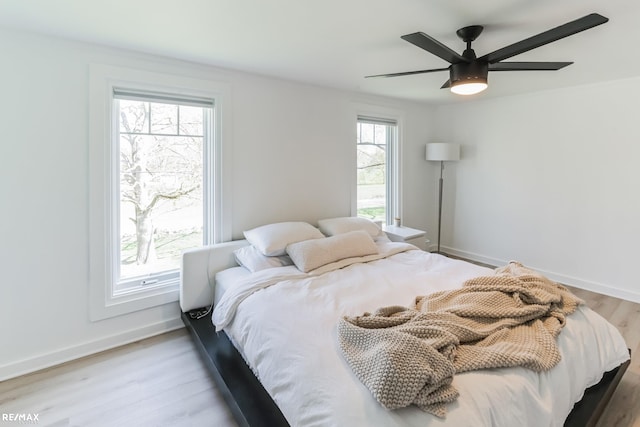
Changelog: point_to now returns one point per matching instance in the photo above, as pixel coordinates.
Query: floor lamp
(442, 152)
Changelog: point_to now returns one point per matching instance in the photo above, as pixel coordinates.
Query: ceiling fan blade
(433, 46)
(546, 37)
(528, 66)
(446, 85)
(408, 73)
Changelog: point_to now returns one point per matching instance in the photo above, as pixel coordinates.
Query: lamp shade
(443, 151)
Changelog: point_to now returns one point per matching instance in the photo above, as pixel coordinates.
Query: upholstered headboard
(198, 269)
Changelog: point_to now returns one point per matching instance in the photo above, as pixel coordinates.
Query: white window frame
(104, 80)
(393, 158)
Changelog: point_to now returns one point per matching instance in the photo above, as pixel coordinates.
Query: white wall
(293, 158)
(550, 179)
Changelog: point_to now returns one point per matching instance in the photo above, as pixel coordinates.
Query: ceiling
(335, 43)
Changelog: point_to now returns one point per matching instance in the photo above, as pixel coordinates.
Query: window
(376, 169)
(160, 142)
(156, 183)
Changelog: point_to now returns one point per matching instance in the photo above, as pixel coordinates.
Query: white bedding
(226, 279)
(285, 321)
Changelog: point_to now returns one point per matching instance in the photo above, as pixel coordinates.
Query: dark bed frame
(252, 406)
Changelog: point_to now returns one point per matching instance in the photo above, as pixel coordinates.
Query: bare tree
(371, 156)
(158, 165)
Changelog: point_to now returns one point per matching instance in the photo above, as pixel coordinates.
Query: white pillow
(311, 254)
(333, 226)
(252, 259)
(272, 239)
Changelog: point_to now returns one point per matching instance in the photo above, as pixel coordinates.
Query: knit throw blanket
(409, 355)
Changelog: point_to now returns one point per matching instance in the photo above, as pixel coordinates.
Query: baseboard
(558, 277)
(67, 354)
(472, 256)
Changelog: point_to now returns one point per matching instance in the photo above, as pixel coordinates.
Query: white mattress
(226, 279)
(284, 323)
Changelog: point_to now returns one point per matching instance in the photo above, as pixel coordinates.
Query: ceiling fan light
(469, 87)
(469, 78)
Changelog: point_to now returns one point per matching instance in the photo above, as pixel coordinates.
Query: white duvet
(284, 323)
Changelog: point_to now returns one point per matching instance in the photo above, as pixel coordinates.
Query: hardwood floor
(161, 381)
(624, 408)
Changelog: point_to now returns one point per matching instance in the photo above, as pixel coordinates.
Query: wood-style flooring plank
(160, 381)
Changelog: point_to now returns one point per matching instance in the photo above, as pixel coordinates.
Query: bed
(277, 357)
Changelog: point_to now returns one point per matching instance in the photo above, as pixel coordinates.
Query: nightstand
(400, 233)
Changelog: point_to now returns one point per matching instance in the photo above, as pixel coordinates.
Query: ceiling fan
(468, 74)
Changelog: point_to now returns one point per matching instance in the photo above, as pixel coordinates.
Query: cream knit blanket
(409, 355)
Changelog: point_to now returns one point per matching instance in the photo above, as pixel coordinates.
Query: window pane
(161, 197)
(191, 121)
(366, 132)
(134, 116)
(164, 118)
(371, 179)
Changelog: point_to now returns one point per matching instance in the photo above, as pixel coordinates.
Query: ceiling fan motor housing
(469, 72)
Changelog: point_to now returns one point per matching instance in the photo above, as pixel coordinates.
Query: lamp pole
(440, 204)
(442, 152)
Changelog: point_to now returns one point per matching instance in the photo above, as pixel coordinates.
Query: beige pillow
(311, 254)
